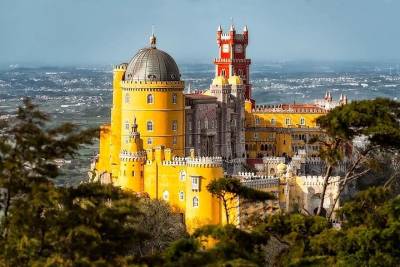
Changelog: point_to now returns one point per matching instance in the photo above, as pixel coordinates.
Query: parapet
(122, 66)
(132, 156)
(289, 108)
(318, 180)
(273, 160)
(202, 162)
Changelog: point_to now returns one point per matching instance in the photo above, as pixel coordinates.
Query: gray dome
(152, 64)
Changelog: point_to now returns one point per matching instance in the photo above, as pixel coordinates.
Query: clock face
(238, 48)
(225, 48)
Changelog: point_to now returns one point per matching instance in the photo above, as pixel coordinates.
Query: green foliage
(229, 189)
(376, 119)
(233, 247)
(370, 234)
(89, 225)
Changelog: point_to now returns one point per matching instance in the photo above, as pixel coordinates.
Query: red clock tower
(232, 56)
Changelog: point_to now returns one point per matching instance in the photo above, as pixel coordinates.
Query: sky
(89, 32)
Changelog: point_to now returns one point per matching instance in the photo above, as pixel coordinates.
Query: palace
(170, 145)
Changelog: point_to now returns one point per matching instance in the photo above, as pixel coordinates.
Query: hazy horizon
(101, 32)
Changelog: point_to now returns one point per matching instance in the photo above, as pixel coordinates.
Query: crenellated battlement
(120, 67)
(273, 160)
(287, 108)
(132, 156)
(318, 180)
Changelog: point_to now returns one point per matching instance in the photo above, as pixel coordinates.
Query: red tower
(232, 56)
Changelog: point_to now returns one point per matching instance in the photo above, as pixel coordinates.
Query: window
(258, 121)
(174, 140)
(199, 140)
(149, 126)
(165, 195)
(288, 121)
(273, 121)
(181, 196)
(199, 126)
(174, 125)
(206, 123)
(150, 99)
(149, 141)
(174, 99)
(255, 136)
(133, 173)
(302, 121)
(223, 73)
(190, 140)
(182, 175)
(127, 125)
(127, 98)
(195, 202)
(126, 139)
(190, 125)
(195, 183)
(212, 124)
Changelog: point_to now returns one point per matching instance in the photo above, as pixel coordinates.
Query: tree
(29, 147)
(373, 123)
(229, 190)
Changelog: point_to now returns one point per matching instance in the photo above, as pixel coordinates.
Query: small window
(133, 173)
(190, 125)
(149, 126)
(257, 121)
(127, 125)
(302, 121)
(206, 123)
(182, 175)
(212, 124)
(174, 99)
(223, 73)
(126, 98)
(195, 183)
(174, 125)
(195, 202)
(174, 140)
(190, 140)
(273, 121)
(199, 126)
(288, 121)
(199, 140)
(149, 141)
(150, 99)
(181, 196)
(126, 139)
(166, 195)
(255, 136)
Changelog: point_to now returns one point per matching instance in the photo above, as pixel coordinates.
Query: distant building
(171, 145)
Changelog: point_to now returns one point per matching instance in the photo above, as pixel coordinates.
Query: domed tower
(152, 92)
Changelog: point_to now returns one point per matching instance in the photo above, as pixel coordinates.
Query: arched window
(174, 125)
(257, 121)
(149, 141)
(181, 196)
(195, 202)
(273, 121)
(149, 126)
(150, 99)
(127, 98)
(223, 73)
(165, 195)
(174, 140)
(288, 121)
(182, 175)
(302, 121)
(174, 99)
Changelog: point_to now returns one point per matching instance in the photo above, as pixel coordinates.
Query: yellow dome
(281, 168)
(235, 80)
(220, 81)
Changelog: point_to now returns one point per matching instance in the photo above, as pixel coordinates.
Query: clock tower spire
(232, 56)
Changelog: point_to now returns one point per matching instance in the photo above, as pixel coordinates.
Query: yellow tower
(132, 163)
(152, 92)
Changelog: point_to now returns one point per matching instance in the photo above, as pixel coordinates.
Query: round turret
(220, 81)
(235, 80)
